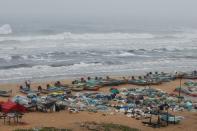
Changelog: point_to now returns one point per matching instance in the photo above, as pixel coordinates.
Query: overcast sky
(167, 11)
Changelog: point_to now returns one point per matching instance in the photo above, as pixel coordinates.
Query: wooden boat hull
(5, 93)
(77, 89)
(155, 83)
(189, 77)
(137, 83)
(144, 83)
(186, 92)
(31, 91)
(113, 82)
(47, 91)
(96, 88)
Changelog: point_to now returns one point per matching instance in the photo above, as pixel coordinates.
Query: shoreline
(78, 76)
(114, 74)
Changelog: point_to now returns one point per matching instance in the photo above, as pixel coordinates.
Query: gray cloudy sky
(169, 11)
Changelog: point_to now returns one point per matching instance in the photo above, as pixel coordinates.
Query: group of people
(83, 80)
(27, 84)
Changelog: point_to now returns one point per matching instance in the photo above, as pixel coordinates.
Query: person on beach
(39, 88)
(83, 80)
(89, 78)
(57, 84)
(74, 82)
(100, 78)
(133, 78)
(145, 77)
(140, 78)
(107, 77)
(96, 78)
(21, 87)
(125, 79)
(28, 84)
(48, 86)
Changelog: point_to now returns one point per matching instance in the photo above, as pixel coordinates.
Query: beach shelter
(12, 107)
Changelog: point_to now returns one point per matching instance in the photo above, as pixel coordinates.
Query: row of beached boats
(147, 80)
(57, 88)
(93, 84)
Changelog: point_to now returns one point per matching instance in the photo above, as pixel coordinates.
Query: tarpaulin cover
(11, 107)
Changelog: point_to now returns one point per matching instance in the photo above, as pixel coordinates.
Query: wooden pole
(167, 117)
(150, 121)
(180, 89)
(158, 121)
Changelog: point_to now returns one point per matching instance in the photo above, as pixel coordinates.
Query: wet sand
(64, 119)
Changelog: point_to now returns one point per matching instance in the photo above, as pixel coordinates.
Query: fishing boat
(163, 77)
(190, 91)
(154, 82)
(51, 89)
(78, 87)
(145, 81)
(5, 93)
(138, 82)
(189, 76)
(92, 85)
(59, 84)
(113, 82)
(26, 90)
(190, 83)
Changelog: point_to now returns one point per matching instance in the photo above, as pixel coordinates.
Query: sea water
(67, 51)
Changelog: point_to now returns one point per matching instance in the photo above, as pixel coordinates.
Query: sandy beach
(64, 119)
(67, 49)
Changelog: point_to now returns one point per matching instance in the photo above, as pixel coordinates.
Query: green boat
(78, 87)
(92, 84)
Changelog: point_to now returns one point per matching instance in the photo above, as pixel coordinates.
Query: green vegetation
(117, 127)
(98, 127)
(43, 129)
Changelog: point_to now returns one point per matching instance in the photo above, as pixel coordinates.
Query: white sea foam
(5, 29)
(83, 36)
(83, 65)
(44, 71)
(126, 54)
(5, 57)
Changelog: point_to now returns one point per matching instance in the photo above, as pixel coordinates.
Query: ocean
(51, 52)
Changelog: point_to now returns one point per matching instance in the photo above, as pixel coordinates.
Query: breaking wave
(126, 54)
(157, 50)
(15, 66)
(5, 29)
(84, 36)
(82, 65)
(72, 66)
